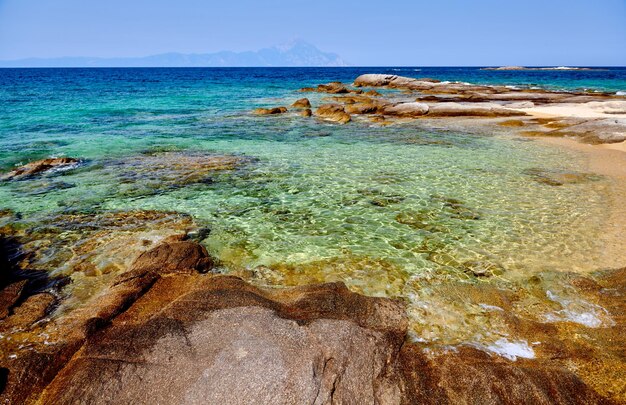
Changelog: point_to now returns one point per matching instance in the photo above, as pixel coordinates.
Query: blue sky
(434, 32)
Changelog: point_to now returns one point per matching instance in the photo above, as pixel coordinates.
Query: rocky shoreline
(138, 311)
(169, 331)
(590, 117)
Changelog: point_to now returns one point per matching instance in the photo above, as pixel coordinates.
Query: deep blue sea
(391, 210)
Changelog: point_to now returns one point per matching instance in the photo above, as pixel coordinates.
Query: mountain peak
(295, 53)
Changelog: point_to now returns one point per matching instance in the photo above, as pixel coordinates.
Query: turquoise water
(380, 208)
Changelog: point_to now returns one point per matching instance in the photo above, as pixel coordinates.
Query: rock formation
(167, 332)
(39, 166)
(333, 112)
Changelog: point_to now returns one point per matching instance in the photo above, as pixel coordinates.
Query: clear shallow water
(388, 210)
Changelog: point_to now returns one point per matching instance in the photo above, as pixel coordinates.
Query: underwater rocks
(333, 112)
(151, 173)
(558, 178)
(40, 166)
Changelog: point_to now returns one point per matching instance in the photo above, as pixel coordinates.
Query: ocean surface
(391, 211)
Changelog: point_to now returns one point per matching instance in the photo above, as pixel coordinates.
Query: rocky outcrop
(302, 103)
(270, 111)
(333, 112)
(39, 167)
(230, 342)
(463, 110)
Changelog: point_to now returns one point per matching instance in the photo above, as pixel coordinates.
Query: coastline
(172, 297)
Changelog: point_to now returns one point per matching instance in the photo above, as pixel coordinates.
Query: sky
(363, 33)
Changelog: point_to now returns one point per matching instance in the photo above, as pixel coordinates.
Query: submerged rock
(557, 177)
(306, 112)
(333, 112)
(40, 166)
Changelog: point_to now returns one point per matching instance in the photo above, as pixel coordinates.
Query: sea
(392, 211)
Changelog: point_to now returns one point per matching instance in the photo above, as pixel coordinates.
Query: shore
(166, 325)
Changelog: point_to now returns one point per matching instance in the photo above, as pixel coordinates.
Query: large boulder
(333, 112)
(40, 166)
(175, 256)
(236, 344)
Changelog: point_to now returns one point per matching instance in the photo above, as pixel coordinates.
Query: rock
(306, 113)
(333, 112)
(38, 167)
(464, 110)
(557, 177)
(362, 108)
(270, 111)
(372, 93)
(511, 123)
(9, 296)
(239, 344)
(412, 109)
(483, 268)
(302, 103)
(175, 256)
(232, 343)
(392, 81)
(33, 309)
(152, 173)
(469, 376)
(333, 88)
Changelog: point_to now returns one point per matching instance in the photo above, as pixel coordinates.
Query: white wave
(578, 311)
(511, 349)
(488, 307)
(621, 93)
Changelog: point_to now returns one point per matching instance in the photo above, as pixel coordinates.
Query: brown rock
(175, 256)
(302, 103)
(270, 111)
(333, 112)
(35, 308)
(372, 93)
(39, 166)
(470, 376)
(239, 344)
(407, 109)
(9, 296)
(333, 88)
(306, 113)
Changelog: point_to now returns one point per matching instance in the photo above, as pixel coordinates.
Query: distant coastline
(539, 68)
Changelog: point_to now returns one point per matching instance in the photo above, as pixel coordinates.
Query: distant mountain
(296, 53)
